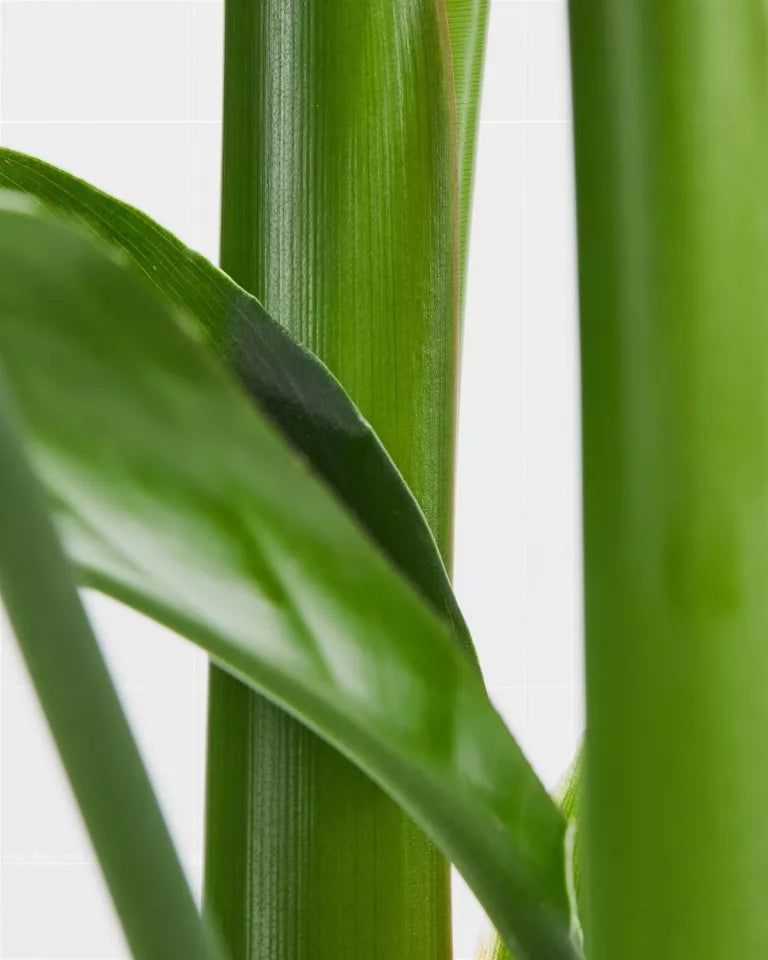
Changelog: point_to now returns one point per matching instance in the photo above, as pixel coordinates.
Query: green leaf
(73, 685)
(339, 212)
(339, 208)
(173, 495)
(297, 392)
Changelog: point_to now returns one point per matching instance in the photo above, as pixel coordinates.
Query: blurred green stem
(671, 143)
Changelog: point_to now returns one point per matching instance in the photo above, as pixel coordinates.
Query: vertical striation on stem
(339, 213)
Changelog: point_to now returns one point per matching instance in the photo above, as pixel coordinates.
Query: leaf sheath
(338, 214)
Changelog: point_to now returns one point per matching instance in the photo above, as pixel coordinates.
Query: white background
(126, 93)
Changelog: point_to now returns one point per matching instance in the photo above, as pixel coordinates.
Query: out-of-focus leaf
(125, 824)
(173, 495)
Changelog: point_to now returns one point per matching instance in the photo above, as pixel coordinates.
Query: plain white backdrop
(126, 93)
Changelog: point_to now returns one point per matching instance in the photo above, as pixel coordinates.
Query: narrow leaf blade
(102, 761)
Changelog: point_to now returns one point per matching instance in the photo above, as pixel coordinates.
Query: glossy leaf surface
(174, 496)
(126, 827)
(568, 797)
(297, 392)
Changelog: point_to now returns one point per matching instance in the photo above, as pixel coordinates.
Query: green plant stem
(339, 195)
(468, 27)
(671, 157)
(80, 703)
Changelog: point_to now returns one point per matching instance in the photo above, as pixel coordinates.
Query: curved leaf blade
(174, 496)
(295, 390)
(103, 764)
(568, 796)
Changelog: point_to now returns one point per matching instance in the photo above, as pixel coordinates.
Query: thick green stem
(671, 129)
(568, 797)
(339, 214)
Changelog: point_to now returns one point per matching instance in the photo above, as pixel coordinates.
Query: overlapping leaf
(131, 840)
(292, 387)
(174, 495)
(467, 27)
(339, 214)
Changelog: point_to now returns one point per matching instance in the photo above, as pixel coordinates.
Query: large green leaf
(175, 496)
(296, 391)
(315, 414)
(81, 705)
